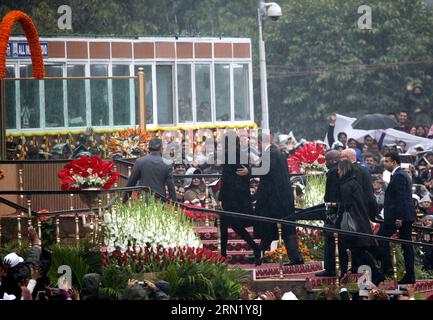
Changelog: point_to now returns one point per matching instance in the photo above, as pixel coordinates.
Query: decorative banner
(21, 49)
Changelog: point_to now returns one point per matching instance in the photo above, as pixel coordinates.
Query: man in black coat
(364, 179)
(399, 214)
(332, 193)
(275, 200)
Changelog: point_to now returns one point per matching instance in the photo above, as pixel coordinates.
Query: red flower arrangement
(309, 157)
(197, 215)
(44, 218)
(88, 173)
(32, 37)
(154, 260)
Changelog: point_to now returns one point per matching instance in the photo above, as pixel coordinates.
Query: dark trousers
(240, 231)
(387, 230)
(290, 240)
(329, 252)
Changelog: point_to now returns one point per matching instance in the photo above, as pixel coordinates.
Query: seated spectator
(342, 136)
(370, 161)
(194, 188)
(337, 145)
(421, 132)
(403, 122)
(368, 140)
(353, 144)
(364, 149)
(374, 150)
(412, 131)
(179, 169)
(426, 203)
(180, 191)
(402, 145)
(379, 191)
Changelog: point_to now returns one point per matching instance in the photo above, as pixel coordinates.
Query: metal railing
(97, 219)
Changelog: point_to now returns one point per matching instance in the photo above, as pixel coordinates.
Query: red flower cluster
(197, 215)
(308, 155)
(32, 37)
(44, 218)
(151, 260)
(85, 167)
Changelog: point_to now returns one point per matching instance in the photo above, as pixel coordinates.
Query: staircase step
(210, 233)
(232, 245)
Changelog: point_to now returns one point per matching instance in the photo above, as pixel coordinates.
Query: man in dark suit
(275, 200)
(152, 172)
(399, 214)
(332, 193)
(364, 179)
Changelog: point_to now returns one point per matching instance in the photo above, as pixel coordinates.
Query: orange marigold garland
(32, 38)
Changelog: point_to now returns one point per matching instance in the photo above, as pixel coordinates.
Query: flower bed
(145, 259)
(148, 225)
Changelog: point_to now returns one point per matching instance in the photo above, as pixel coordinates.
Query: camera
(402, 288)
(42, 295)
(274, 11)
(142, 283)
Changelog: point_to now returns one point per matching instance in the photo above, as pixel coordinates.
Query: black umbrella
(374, 121)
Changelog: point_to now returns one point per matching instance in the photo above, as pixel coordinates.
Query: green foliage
(114, 280)
(203, 281)
(13, 246)
(84, 258)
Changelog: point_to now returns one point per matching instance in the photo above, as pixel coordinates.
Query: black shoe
(293, 263)
(325, 273)
(258, 260)
(407, 280)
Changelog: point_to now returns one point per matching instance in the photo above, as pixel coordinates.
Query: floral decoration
(32, 37)
(307, 158)
(147, 223)
(149, 259)
(129, 142)
(88, 173)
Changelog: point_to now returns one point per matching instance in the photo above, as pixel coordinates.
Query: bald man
(363, 177)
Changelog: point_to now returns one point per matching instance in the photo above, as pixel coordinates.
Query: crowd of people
(27, 279)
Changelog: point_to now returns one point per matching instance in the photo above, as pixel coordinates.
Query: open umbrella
(374, 121)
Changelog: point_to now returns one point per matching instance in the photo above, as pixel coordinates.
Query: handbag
(347, 222)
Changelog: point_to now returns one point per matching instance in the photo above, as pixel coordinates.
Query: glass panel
(77, 96)
(11, 113)
(148, 93)
(99, 95)
(29, 93)
(164, 86)
(184, 92)
(222, 92)
(121, 96)
(241, 92)
(54, 115)
(202, 87)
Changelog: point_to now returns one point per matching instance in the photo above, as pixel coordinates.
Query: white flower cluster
(92, 180)
(140, 224)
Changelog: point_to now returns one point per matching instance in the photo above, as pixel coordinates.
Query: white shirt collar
(393, 171)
